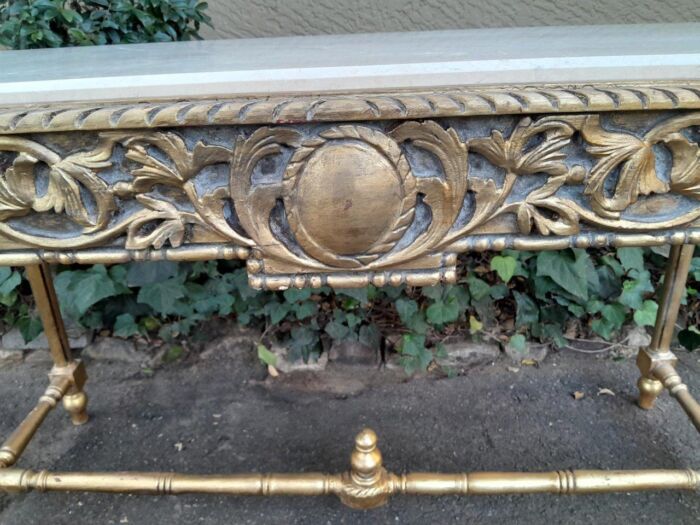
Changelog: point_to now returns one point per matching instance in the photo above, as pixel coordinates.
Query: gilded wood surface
(347, 204)
(448, 102)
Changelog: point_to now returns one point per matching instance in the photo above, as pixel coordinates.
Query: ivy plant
(31, 24)
(510, 297)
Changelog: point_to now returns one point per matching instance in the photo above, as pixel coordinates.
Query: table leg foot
(649, 390)
(75, 400)
(659, 350)
(76, 405)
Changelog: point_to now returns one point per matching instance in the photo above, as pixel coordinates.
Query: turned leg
(75, 400)
(659, 351)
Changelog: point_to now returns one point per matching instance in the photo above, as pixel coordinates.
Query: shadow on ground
(215, 416)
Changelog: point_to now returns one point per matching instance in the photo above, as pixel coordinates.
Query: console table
(345, 161)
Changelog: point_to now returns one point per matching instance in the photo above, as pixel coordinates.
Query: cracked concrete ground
(216, 416)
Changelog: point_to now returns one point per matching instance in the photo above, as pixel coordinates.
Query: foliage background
(510, 298)
(31, 24)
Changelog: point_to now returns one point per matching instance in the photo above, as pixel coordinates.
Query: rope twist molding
(498, 100)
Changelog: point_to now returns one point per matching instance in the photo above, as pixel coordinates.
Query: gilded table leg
(75, 400)
(659, 350)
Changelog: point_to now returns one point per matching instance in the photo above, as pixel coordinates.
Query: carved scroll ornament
(326, 205)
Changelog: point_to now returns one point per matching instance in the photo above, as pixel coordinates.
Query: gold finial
(366, 440)
(366, 459)
(367, 485)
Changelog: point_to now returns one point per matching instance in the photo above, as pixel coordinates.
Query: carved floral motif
(347, 197)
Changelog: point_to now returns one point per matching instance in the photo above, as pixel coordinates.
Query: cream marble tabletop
(346, 63)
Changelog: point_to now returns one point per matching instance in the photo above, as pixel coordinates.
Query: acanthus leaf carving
(66, 175)
(184, 163)
(685, 171)
(346, 197)
(634, 158)
(254, 204)
(177, 172)
(444, 195)
(548, 213)
(517, 156)
(521, 154)
(17, 188)
(170, 227)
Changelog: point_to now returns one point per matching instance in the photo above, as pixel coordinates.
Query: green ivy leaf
(30, 327)
(303, 341)
(518, 342)
(9, 283)
(614, 313)
(543, 287)
(359, 294)
(352, 320)
(690, 338)
(294, 295)
(173, 353)
(631, 258)
(240, 285)
(394, 292)
(553, 333)
(78, 290)
(527, 311)
(475, 326)
(414, 354)
(370, 336)
(602, 327)
(304, 310)
(611, 320)
(406, 308)
(634, 290)
(277, 311)
(418, 324)
(499, 291)
(433, 292)
(119, 275)
(646, 315)
(9, 280)
(150, 323)
(612, 263)
(412, 344)
(695, 268)
(337, 331)
(460, 294)
(125, 326)
(266, 356)
(442, 312)
(664, 250)
(593, 306)
(213, 304)
(609, 284)
(569, 271)
(142, 273)
(504, 266)
(576, 309)
(478, 288)
(162, 296)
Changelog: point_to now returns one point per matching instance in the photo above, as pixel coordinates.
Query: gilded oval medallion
(347, 198)
(348, 195)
